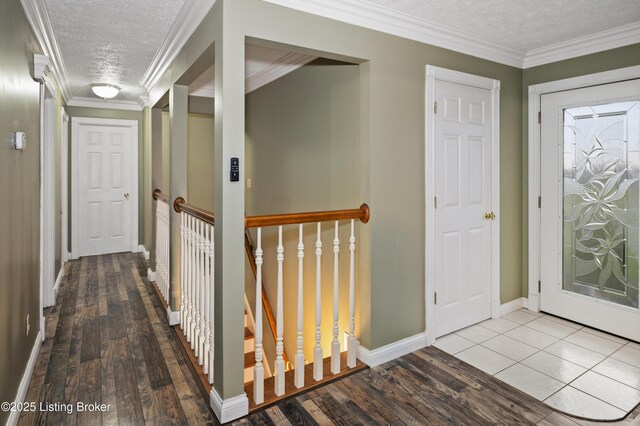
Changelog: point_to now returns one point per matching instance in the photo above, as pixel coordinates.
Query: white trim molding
(26, 377)
(592, 43)
(38, 17)
(283, 66)
(514, 305)
(173, 316)
(188, 19)
(64, 185)
(142, 249)
(229, 409)
(79, 101)
(434, 74)
(151, 275)
(56, 286)
(380, 18)
(373, 357)
(535, 92)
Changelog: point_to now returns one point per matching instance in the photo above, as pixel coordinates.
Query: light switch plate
(20, 140)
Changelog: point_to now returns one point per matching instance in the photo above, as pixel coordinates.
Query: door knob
(126, 195)
(490, 215)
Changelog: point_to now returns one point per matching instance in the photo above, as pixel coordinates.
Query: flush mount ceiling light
(105, 91)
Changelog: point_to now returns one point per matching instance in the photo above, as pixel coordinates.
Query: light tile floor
(573, 369)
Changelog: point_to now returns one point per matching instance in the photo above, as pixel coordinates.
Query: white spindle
(258, 371)
(196, 295)
(211, 302)
(183, 275)
(317, 350)
(335, 343)
(352, 343)
(192, 268)
(200, 290)
(299, 374)
(206, 287)
(279, 376)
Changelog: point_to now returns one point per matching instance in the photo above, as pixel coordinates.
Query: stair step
(249, 359)
(290, 389)
(247, 334)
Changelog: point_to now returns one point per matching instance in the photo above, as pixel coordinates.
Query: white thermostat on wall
(20, 140)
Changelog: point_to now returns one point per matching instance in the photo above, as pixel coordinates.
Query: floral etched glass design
(601, 200)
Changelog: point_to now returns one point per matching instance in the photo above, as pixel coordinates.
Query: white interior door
(590, 159)
(105, 186)
(463, 213)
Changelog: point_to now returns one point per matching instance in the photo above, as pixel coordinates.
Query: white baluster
(352, 342)
(211, 298)
(187, 261)
(299, 373)
(317, 350)
(192, 267)
(207, 289)
(335, 343)
(201, 289)
(279, 376)
(183, 273)
(258, 371)
(198, 295)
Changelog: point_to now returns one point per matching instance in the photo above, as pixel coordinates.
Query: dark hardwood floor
(108, 342)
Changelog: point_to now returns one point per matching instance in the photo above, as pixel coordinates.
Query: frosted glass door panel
(601, 160)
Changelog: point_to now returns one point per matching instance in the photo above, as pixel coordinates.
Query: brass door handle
(490, 215)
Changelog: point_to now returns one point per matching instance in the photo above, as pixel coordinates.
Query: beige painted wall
(598, 62)
(144, 195)
(20, 183)
(200, 158)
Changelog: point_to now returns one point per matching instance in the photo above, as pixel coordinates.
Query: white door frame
(535, 92)
(76, 122)
(64, 186)
(48, 96)
(434, 74)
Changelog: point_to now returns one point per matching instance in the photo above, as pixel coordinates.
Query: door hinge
(539, 287)
(435, 202)
(539, 202)
(435, 107)
(539, 117)
(435, 298)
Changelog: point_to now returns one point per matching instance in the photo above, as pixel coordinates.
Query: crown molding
(283, 66)
(204, 92)
(597, 42)
(79, 101)
(40, 67)
(379, 18)
(38, 17)
(189, 17)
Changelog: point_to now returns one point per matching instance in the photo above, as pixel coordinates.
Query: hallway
(107, 341)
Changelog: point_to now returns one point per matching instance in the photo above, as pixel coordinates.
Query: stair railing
(299, 219)
(163, 238)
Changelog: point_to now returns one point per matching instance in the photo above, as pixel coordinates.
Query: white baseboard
(144, 251)
(173, 316)
(26, 378)
(392, 350)
(514, 305)
(229, 409)
(151, 275)
(56, 286)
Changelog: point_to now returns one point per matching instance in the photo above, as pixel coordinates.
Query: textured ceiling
(521, 25)
(110, 41)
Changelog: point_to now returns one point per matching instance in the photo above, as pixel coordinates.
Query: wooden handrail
(158, 195)
(362, 214)
(180, 205)
(271, 319)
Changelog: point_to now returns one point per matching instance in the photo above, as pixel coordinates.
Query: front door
(104, 184)
(463, 214)
(590, 159)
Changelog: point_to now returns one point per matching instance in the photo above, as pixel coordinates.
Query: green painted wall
(598, 62)
(20, 183)
(143, 193)
(200, 158)
(302, 138)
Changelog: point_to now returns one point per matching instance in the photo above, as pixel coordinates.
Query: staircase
(249, 353)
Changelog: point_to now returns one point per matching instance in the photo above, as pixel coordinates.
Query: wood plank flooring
(107, 341)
